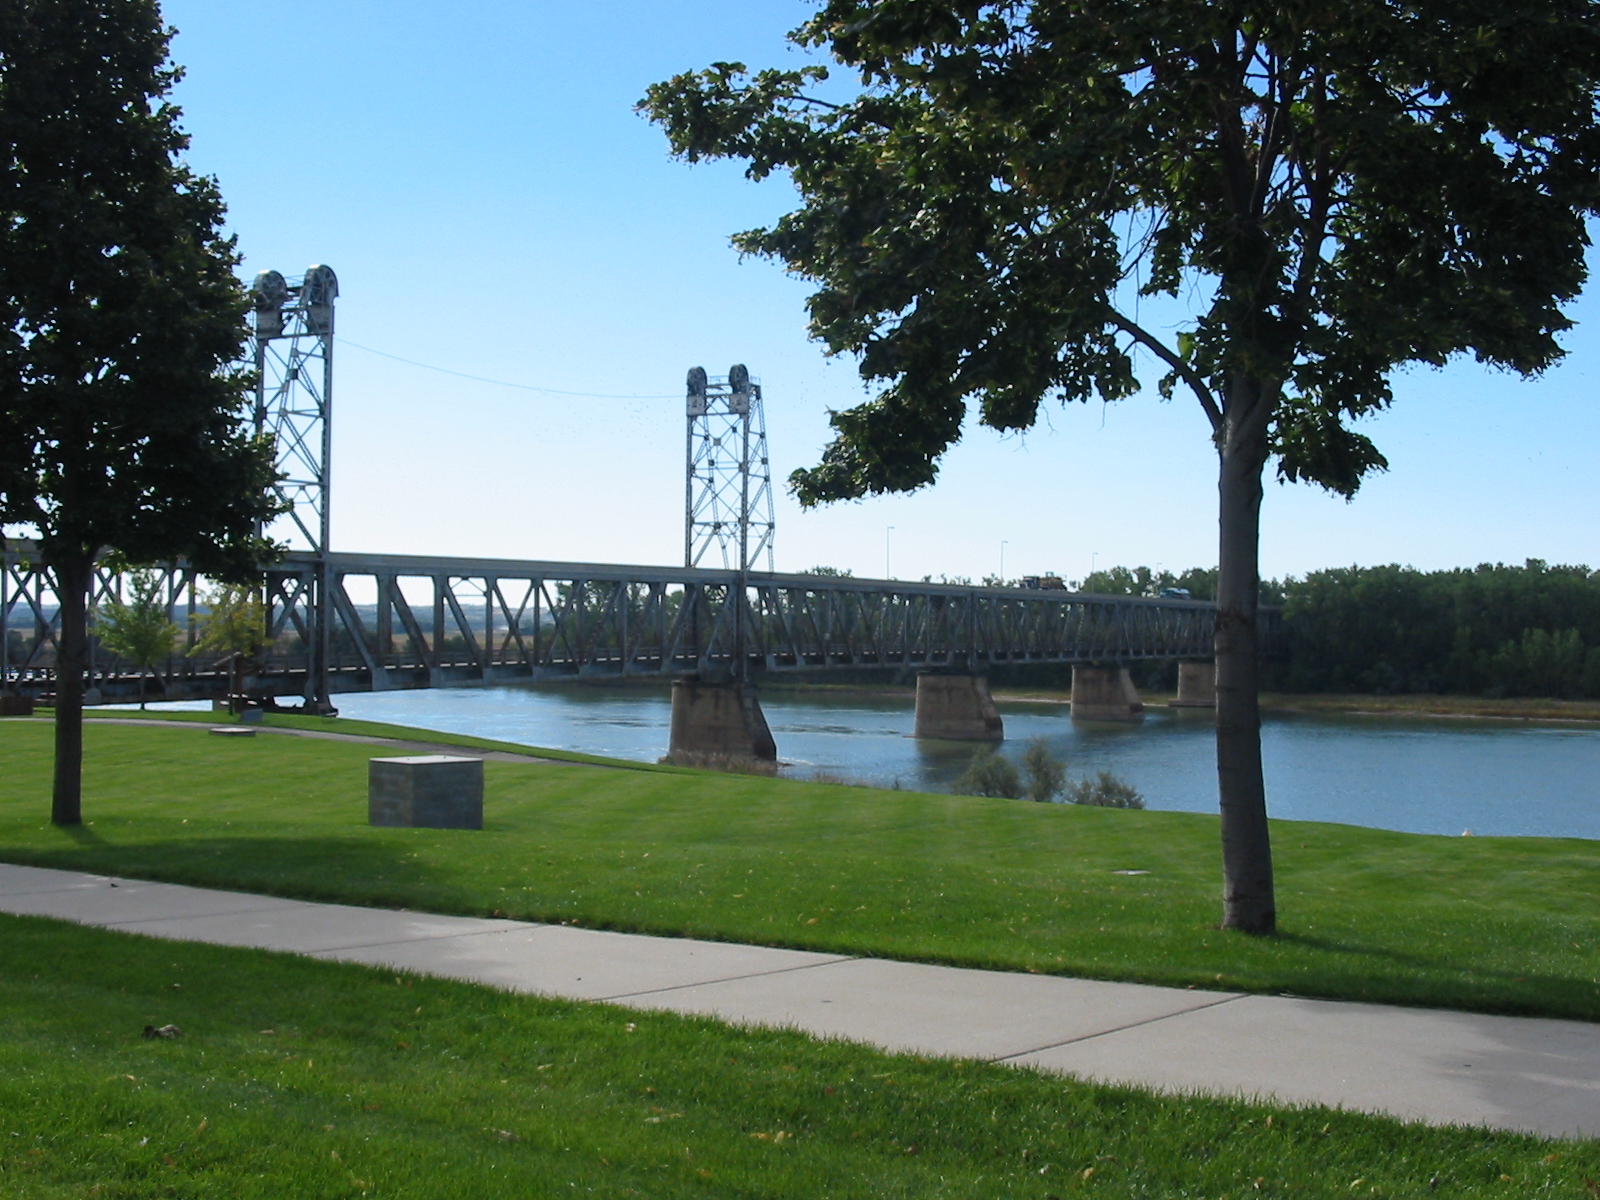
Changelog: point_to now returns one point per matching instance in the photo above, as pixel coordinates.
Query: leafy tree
(1105, 790)
(989, 774)
(1333, 190)
(234, 628)
(1047, 774)
(120, 317)
(138, 629)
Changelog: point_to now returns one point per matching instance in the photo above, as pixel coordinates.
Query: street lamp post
(1003, 546)
(888, 529)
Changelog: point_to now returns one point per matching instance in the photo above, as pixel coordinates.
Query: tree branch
(1184, 371)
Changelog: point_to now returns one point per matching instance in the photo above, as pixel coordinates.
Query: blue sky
(476, 175)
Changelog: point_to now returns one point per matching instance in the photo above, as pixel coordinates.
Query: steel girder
(437, 622)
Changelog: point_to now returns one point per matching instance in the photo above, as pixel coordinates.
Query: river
(1418, 775)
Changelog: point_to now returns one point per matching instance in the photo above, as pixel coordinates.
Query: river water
(1417, 775)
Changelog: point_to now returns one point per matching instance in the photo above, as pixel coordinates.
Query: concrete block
(1197, 685)
(1105, 694)
(719, 718)
(957, 708)
(425, 791)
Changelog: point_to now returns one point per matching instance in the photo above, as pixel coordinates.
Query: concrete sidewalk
(1443, 1067)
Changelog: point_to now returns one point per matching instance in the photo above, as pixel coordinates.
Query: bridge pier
(719, 718)
(1105, 694)
(957, 708)
(1197, 685)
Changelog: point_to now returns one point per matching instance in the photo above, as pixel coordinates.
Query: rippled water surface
(1412, 774)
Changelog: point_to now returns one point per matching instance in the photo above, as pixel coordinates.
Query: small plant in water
(1104, 791)
(989, 775)
(1047, 774)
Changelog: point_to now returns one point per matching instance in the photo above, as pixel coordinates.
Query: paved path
(1441, 1067)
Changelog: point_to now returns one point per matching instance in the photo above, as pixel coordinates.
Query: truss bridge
(400, 621)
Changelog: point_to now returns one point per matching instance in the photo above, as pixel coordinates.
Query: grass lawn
(295, 1078)
(1507, 925)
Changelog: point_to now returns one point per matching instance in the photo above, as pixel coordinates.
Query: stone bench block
(425, 791)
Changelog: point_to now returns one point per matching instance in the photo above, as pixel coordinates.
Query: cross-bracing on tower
(294, 393)
(728, 484)
(293, 329)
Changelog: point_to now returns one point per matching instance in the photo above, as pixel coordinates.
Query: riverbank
(1505, 925)
(1517, 708)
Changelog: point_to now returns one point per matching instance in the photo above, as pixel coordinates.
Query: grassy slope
(379, 729)
(299, 1078)
(1499, 925)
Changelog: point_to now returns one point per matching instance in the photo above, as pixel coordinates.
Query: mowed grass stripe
(295, 1077)
(1503, 925)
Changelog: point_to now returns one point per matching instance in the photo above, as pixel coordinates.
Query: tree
(120, 319)
(138, 629)
(235, 629)
(1330, 189)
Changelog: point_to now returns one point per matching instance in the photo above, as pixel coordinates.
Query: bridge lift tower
(293, 326)
(728, 483)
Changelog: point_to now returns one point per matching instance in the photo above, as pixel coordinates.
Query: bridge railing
(376, 622)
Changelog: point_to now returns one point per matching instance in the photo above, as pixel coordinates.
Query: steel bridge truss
(412, 622)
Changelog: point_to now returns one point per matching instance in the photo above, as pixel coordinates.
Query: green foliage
(1495, 630)
(121, 320)
(1105, 790)
(137, 630)
(1343, 189)
(234, 623)
(1047, 774)
(123, 411)
(729, 764)
(989, 774)
(234, 628)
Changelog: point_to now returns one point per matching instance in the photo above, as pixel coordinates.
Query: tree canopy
(1327, 191)
(137, 629)
(1336, 189)
(123, 423)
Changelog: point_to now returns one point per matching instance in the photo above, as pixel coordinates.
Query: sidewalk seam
(678, 987)
(1088, 1037)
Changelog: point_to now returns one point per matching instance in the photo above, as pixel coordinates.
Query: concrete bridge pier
(1197, 685)
(719, 718)
(1105, 694)
(957, 708)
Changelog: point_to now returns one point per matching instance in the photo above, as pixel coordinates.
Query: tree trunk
(1247, 894)
(72, 659)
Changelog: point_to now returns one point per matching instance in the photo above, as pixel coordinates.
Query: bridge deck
(402, 621)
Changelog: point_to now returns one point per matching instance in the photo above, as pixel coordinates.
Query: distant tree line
(1491, 630)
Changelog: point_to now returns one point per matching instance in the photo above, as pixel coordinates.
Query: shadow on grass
(1437, 981)
(377, 872)
(83, 835)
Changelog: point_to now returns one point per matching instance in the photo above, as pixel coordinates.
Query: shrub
(731, 764)
(1047, 774)
(989, 775)
(1104, 791)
